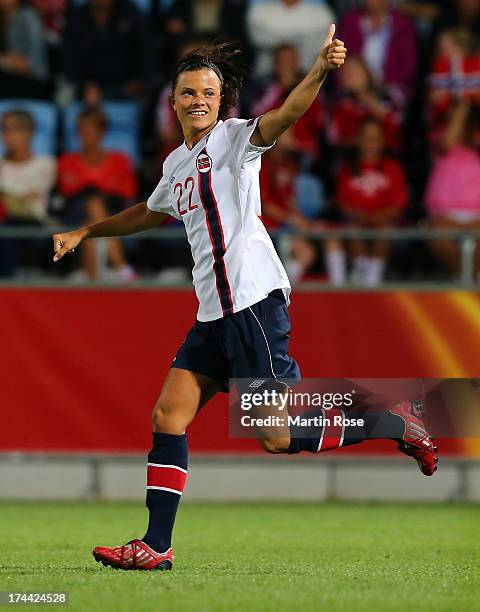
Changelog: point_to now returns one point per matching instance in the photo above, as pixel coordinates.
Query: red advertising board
(81, 369)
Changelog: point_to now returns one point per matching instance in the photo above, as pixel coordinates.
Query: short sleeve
(239, 132)
(159, 201)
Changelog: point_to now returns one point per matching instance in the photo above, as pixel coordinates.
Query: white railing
(466, 238)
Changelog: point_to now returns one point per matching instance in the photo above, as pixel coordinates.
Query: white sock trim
(164, 489)
(165, 465)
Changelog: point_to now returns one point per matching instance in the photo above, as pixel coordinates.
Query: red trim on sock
(166, 476)
(332, 433)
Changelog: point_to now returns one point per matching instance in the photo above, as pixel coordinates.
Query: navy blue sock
(166, 476)
(384, 425)
(377, 426)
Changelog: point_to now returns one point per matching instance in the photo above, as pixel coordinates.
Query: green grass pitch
(249, 557)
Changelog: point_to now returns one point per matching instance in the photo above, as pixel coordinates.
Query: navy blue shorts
(252, 343)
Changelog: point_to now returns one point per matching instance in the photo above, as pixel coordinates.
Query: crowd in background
(392, 140)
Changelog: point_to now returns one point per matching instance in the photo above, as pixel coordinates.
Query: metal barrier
(467, 241)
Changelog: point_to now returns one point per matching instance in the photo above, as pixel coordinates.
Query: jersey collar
(202, 140)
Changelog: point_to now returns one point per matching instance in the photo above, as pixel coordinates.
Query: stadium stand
(45, 115)
(324, 139)
(143, 5)
(122, 134)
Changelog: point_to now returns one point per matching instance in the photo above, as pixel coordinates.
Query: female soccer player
(242, 327)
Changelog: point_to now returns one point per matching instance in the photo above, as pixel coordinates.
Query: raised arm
(272, 125)
(130, 221)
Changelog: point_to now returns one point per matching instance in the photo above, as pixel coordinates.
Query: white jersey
(214, 188)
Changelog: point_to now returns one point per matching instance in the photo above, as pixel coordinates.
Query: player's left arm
(272, 125)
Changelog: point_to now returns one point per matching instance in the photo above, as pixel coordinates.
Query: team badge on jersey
(204, 163)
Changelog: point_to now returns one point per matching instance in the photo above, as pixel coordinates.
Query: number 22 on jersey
(188, 186)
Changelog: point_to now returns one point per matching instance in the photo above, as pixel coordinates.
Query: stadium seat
(122, 134)
(143, 5)
(310, 195)
(164, 6)
(45, 115)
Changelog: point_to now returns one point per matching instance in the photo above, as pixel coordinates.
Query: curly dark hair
(225, 60)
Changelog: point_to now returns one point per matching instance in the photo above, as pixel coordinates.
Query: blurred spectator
(418, 9)
(359, 98)
(271, 92)
(281, 208)
(280, 170)
(453, 191)
(26, 177)
(52, 13)
(455, 75)
(459, 13)
(303, 23)
(26, 181)
(222, 19)
(97, 183)
(107, 50)
(342, 6)
(421, 10)
(386, 40)
(23, 57)
(371, 193)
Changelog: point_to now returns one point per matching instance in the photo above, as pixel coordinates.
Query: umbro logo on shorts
(204, 163)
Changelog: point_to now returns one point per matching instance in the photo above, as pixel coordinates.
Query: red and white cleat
(416, 440)
(135, 555)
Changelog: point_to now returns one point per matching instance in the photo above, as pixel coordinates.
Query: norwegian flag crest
(204, 163)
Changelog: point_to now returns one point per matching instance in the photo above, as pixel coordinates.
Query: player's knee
(162, 416)
(275, 445)
(168, 418)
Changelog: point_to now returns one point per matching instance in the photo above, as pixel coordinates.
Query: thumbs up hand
(333, 52)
